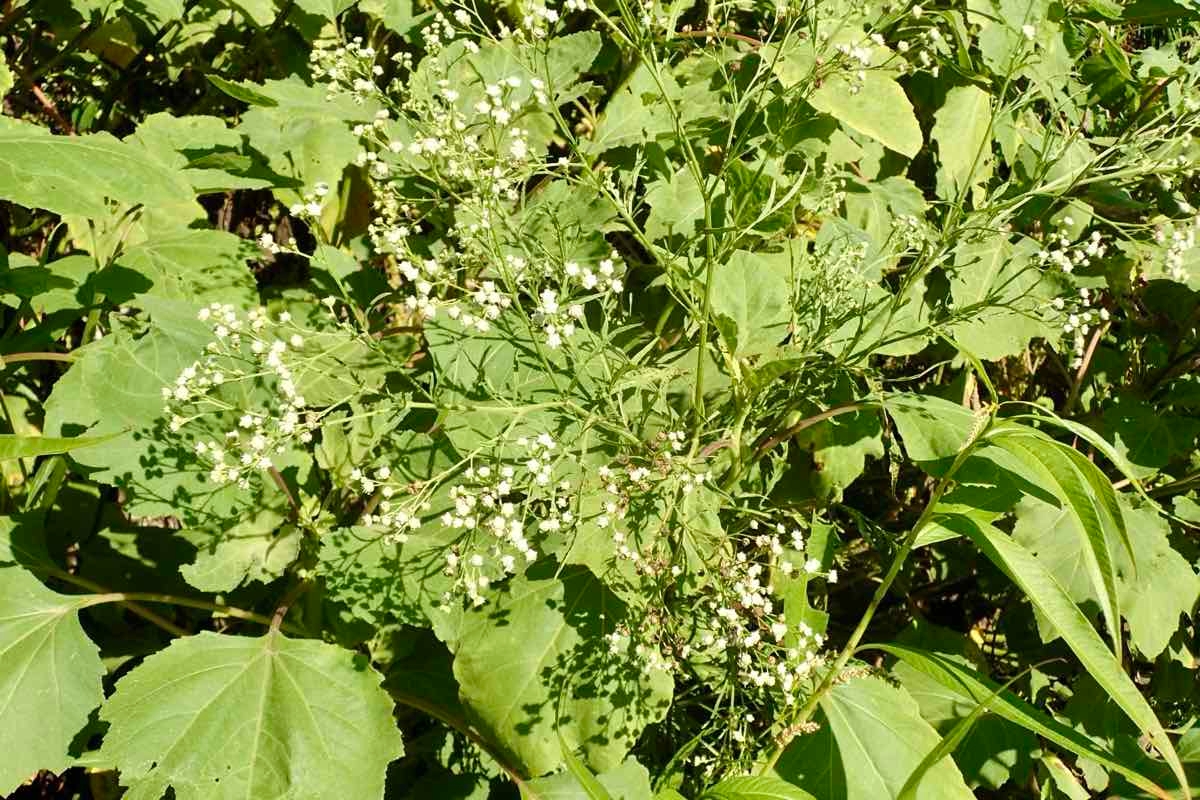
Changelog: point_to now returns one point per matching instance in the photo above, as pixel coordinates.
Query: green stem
(843, 657)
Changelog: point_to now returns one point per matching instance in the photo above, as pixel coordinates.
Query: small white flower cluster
(348, 68)
(921, 48)
(1081, 318)
(1180, 242)
(773, 542)
(485, 304)
(311, 206)
(1066, 255)
(250, 349)
(493, 509)
(557, 322)
(747, 626)
(603, 279)
(859, 57)
(664, 474)
(398, 518)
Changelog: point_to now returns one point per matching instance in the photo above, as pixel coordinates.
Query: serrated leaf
(50, 677)
(79, 174)
(676, 205)
(873, 737)
(962, 128)
(755, 787)
(878, 109)
(753, 292)
(218, 717)
(551, 659)
(1045, 593)
(933, 430)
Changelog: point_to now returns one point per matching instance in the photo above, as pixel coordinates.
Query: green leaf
(13, 446)
(629, 781)
(115, 386)
(254, 549)
(676, 205)
(198, 266)
(879, 109)
(50, 675)
(962, 130)
(242, 90)
(1094, 520)
(551, 654)
(977, 688)
(872, 740)
(591, 787)
(217, 717)
(1002, 294)
(1048, 597)
(933, 430)
(752, 293)
(755, 787)
(1164, 587)
(950, 743)
(78, 174)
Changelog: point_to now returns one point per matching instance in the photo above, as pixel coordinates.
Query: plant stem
(16, 358)
(843, 657)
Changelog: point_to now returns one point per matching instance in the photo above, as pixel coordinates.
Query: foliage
(727, 400)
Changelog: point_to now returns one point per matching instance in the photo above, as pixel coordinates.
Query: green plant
(720, 400)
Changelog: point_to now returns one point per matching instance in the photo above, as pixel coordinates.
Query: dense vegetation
(709, 399)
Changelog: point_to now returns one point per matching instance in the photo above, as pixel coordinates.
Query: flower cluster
(257, 352)
(492, 509)
(1180, 241)
(1081, 318)
(1066, 255)
(349, 68)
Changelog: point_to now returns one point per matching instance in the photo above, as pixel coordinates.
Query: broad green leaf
(629, 781)
(635, 114)
(197, 266)
(755, 787)
(1095, 523)
(1002, 295)
(1148, 436)
(78, 174)
(397, 15)
(950, 743)
(1052, 601)
(878, 109)
(751, 299)
(676, 205)
(994, 750)
(871, 740)
(551, 659)
(933, 430)
(255, 549)
(962, 130)
(327, 9)
(976, 688)
(591, 787)
(218, 717)
(13, 446)
(50, 676)
(1163, 587)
